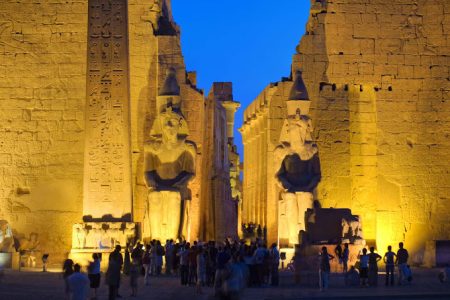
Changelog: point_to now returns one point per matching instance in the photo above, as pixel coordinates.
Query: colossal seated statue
(169, 166)
(297, 164)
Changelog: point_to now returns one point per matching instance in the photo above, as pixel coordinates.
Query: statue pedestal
(309, 257)
(99, 237)
(84, 256)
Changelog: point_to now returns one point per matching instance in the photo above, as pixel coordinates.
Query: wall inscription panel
(107, 168)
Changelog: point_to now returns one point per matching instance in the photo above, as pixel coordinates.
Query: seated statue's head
(296, 131)
(170, 126)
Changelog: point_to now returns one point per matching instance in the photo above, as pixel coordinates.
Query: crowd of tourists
(228, 268)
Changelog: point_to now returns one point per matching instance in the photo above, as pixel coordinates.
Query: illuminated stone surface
(377, 75)
(43, 63)
(107, 166)
(297, 165)
(169, 166)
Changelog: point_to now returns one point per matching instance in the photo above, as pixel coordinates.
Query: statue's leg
(155, 210)
(173, 201)
(304, 201)
(291, 217)
(283, 229)
(185, 228)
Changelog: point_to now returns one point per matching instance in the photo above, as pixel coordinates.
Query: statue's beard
(170, 140)
(298, 144)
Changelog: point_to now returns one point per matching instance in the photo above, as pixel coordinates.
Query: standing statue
(297, 164)
(169, 166)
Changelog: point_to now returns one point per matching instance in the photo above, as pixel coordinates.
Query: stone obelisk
(107, 165)
(107, 198)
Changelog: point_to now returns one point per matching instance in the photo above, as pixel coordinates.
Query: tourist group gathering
(228, 268)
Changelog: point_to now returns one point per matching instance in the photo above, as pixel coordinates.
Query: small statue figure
(96, 235)
(6, 237)
(130, 233)
(78, 236)
(352, 229)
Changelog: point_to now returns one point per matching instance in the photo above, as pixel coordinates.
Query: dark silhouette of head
(372, 249)
(364, 251)
(118, 248)
(389, 248)
(77, 268)
(400, 245)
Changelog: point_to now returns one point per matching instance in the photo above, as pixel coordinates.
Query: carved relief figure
(297, 164)
(169, 166)
(78, 236)
(352, 230)
(6, 237)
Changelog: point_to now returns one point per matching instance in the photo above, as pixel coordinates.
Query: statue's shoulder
(191, 146)
(282, 149)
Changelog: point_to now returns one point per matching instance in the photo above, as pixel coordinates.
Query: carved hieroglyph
(107, 186)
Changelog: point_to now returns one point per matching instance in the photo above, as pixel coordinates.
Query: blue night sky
(249, 43)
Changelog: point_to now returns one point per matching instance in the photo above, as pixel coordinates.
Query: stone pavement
(28, 285)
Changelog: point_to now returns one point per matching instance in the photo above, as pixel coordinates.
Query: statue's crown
(298, 97)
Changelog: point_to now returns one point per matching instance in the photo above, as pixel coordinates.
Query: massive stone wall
(377, 73)
(392, 57)
(42, 95)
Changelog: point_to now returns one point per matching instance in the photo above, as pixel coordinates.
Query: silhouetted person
(363, 267)
(183, 254)
(221, 272)
(201, 269)
(275, 262)
(389, 260)
(338, 252)
(324, 268)
(345, 256)
(146, 264)
(352, 277)
(374, 258)
(135, 270)
(113, 272)
(67, 271)
(78, 284)
(402, 262)
(94, 273)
